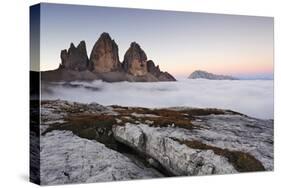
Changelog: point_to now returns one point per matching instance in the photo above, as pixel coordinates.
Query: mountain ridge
(210, 76)
(104, 64)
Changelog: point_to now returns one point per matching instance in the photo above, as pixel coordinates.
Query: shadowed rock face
(135, 60)
(75, 58)
(104, 56)
(135, 63)
(151, 68)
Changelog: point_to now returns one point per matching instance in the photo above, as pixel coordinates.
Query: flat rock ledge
(67, 158)
(93, 143)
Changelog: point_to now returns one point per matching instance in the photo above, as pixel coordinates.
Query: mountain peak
(82, 44)
(104, 56)
(206, 75)
(75, 58)
(134, 45)
(135, 60)
(105, 35)
(72, 45)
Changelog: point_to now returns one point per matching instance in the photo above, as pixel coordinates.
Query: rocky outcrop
(67, 158)
(75, 58)
(87, 142)
(206, 75)
(135, 60)
(189, 141)
(177, 158)
(135, 63)
(104, 56)
(104, 64)
(152, 69)
(155, 71)
(165, 76)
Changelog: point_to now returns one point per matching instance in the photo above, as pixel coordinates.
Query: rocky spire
(135, 60)
(152, 69)
(75, 58)
(104, 56)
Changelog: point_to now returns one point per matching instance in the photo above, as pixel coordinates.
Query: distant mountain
(206, 75)
(104, 64)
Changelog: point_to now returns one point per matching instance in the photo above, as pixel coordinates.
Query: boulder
(175, 157)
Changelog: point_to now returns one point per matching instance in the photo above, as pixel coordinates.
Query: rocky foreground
(93, 143)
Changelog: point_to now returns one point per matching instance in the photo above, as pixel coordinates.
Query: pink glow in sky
(180, 42)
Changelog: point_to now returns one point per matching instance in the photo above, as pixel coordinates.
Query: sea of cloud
(251, 97)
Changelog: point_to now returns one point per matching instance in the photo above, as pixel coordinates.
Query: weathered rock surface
(75, 58)
(135, 60)
(206, 75)
(34, 137)
(174, 156)
(152, 69)
(104, 56)
(66, 158)
(84, 142)
(104, 64)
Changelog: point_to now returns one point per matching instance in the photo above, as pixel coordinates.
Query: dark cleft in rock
(135, 60)
(75, 58)
(104, 56)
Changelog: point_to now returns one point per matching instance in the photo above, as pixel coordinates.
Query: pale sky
(180, 42)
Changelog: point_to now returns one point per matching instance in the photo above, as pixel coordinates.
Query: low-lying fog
(251, 97)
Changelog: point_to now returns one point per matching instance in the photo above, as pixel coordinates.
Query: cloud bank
(251, 97)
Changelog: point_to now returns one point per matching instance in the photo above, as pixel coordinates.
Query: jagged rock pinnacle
(135, 60)
(104, 56)
(75, 58)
